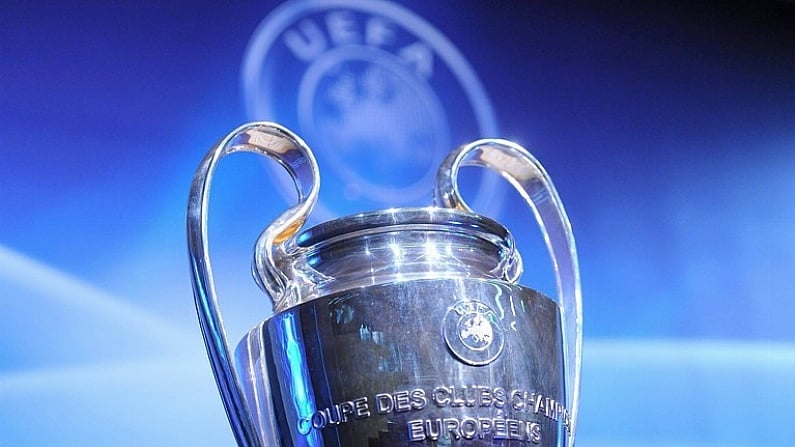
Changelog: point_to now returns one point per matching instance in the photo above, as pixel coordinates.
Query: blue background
(668, 128)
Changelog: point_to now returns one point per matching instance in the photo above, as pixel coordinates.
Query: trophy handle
(530, 179)
(293, 154)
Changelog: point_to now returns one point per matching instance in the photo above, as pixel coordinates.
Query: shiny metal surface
(400, 327)
(397, 245)
(402, 363)
(522, 170)
(278, 143)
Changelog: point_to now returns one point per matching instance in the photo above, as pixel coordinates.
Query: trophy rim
(379, 220)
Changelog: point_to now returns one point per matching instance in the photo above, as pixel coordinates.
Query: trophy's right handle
(293, 154)
(531, 180)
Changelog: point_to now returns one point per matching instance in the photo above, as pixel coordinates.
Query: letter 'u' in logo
(378, 93)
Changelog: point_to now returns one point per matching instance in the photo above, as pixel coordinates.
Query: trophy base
(432, 362)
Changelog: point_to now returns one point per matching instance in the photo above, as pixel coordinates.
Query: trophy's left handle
(293, 154)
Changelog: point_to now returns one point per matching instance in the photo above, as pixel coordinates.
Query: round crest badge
(473, 333)
(379, 93)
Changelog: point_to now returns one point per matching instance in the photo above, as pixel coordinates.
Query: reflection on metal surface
(396, 326)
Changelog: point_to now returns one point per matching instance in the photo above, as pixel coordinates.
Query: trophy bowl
(400, 327)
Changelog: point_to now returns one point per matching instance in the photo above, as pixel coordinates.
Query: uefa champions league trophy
(402, 327)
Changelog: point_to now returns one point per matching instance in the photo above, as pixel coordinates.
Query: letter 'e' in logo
(378, 93)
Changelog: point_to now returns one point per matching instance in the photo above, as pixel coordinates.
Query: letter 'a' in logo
(378, 93)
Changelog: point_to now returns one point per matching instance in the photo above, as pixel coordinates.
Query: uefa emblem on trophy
(400, 327)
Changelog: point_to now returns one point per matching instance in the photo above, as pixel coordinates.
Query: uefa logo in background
(378, 93)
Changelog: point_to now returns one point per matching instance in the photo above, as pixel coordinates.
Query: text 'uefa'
(310, 39)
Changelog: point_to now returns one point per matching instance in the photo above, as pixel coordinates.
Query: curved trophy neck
(395, 245)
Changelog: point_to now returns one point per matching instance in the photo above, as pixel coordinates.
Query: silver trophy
(402, 327)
